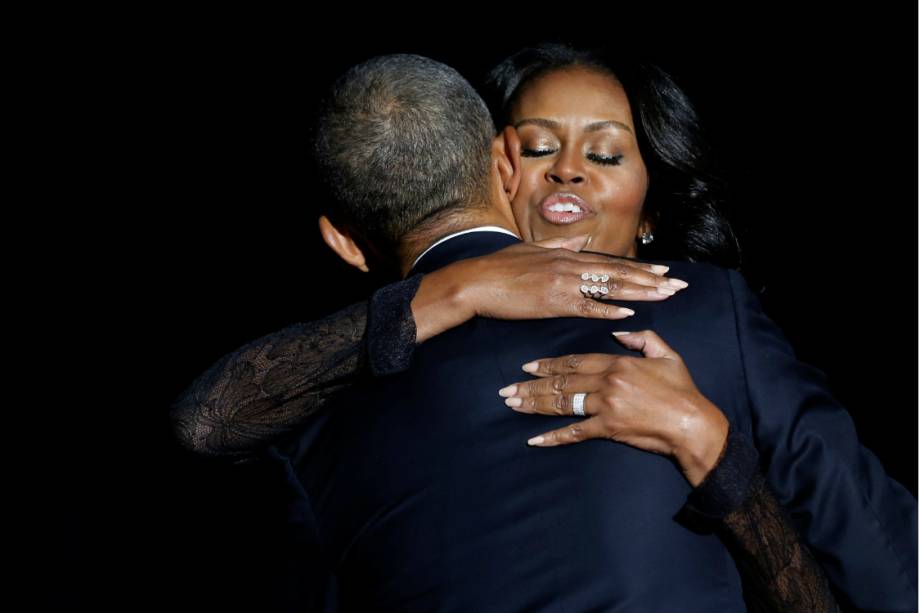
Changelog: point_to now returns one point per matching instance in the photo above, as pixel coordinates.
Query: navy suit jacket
(421, 494)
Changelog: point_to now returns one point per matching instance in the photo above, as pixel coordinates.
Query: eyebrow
(591, 127)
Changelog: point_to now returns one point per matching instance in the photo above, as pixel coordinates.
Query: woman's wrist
(729, 485)
(442, 301)
(701, 441)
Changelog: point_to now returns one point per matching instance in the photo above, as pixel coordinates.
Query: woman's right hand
(534, 281)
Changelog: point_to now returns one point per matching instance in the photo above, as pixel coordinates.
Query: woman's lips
(564, 208)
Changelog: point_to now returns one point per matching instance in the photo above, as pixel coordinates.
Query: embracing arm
(777, 570)
(267, 388)
(651, 403)
(860, 523)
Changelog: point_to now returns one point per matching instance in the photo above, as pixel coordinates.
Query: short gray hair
(402, 138)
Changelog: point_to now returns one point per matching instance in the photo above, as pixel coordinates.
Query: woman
(544, 144)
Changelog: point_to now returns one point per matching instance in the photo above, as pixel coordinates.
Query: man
(418, 490)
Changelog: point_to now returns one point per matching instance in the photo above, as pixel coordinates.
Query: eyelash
(611, 161)
(597, 159)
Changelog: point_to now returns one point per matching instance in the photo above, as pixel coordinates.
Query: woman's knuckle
(556, 268)
(559, 404)
(559, 382)
(608, 404)
(609, 421)
(560, 259)
(585, 307)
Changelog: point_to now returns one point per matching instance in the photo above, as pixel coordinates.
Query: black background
(814, 116)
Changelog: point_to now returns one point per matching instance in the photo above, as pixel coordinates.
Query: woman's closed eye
(606, 160)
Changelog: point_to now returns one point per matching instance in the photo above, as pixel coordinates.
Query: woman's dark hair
(685, 194)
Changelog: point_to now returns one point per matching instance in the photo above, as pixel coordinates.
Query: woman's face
(581, 171)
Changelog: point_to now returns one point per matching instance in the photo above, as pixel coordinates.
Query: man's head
(406, 146)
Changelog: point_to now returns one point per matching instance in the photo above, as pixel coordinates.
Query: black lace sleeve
(778, 571)
(266, 388)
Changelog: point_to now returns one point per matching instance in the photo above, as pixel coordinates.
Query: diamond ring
(594, 290)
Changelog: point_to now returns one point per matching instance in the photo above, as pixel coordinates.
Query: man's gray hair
(400, 139)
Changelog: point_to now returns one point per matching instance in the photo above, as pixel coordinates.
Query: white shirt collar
(467, 231)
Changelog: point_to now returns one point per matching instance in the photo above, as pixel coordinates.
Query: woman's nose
(564, 177)
(565, 171)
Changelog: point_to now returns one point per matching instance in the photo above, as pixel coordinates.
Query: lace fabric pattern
(265, 389)
(777, 570)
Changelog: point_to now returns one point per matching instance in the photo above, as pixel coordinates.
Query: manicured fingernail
(620, 333)
(678, 283)
(658, 268)
(626, 311)
(535, 440)
(513, 402)
(666, 291)
(530, 367)
(507, 391)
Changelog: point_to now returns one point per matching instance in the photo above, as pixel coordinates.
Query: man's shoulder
(720, 285)
(709, 284)
(705, 272)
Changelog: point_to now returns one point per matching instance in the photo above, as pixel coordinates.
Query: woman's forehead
(573, 94)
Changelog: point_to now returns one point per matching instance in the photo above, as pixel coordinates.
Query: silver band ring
(578, 404)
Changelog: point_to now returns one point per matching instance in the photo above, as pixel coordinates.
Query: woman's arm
(269, 386)
(860, 523)
(651, 403)
(262, 391)
(778, 571)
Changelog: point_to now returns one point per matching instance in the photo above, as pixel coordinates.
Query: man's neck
(411, 251)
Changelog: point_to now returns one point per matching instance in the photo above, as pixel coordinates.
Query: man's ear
(342, 244)
(506, 151)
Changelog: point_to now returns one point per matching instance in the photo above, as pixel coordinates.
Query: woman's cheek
(640, 184)
(626, 196)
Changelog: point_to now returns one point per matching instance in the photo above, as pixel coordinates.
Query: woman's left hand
(647, 402)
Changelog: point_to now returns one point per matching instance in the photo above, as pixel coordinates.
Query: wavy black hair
(686, 195)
